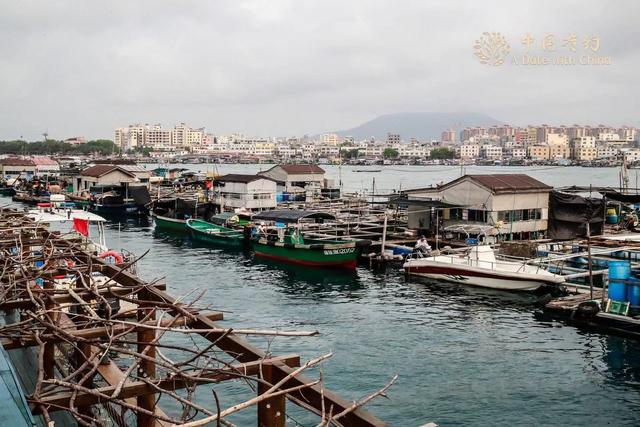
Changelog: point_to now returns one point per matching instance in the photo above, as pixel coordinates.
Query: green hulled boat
(284, 241)
(172, 214)
(171, 224)
(318, 254)
(206, 232)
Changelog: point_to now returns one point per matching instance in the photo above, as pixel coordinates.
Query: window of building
(477, 215)
(520, 215)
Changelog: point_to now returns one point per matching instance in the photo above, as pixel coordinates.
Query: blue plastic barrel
(618, 270)
(633, 291)
(612, 219)
(401, 251)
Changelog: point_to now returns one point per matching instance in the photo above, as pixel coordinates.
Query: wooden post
(147, 368)
(271, 412)
(384, 237)
(589, 259)
(49, 348)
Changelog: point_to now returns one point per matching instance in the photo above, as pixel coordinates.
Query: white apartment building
(632, 154)
(411, 150)
(158, 138)
(469, 151)
(491, 152)
(606, 151)
(608, 136)
(373, 150)
(516, 152)
(330, 139)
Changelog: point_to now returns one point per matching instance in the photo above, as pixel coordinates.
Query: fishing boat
(284, 241)
(479, 267)
(60, 214)
(173, 214)
(7, 190)
(29, 198)
(120, 200)
(207, 232)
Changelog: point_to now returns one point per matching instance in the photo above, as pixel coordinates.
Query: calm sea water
(464, 356)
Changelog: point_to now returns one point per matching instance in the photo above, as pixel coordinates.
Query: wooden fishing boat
(206, 232)
(170, 224)
(172, 214)
(7, 191)
(284, 241)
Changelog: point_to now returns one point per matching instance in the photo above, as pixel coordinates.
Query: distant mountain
(423, 126)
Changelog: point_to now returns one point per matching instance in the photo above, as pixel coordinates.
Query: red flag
(81, 226)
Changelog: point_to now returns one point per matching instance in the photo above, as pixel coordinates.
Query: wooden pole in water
(589, 258)
(384, 236)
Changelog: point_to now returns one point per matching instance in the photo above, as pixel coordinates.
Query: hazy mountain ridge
(420, 125)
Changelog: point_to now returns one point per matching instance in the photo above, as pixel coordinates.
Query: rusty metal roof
(236, 177)
(508, 183)
(302, 169)
(100, 170)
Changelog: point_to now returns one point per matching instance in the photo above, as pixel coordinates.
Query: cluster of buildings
(535, 143)
(548, 143)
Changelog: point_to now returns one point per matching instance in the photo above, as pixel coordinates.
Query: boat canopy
(291, 216)
(63, 215)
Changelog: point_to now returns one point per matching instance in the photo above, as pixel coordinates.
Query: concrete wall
(258, 194)
(115, 177)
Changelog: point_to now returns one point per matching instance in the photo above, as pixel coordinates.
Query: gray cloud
(294, 67)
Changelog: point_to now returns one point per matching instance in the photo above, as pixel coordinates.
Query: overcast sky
(296, 67)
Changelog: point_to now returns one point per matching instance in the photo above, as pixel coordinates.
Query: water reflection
(433, 290)
(309, 281)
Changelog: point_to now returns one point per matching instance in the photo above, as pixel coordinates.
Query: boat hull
(119, 210)
(478, 277)
(338, 257)
(212, 234)
(172, 224)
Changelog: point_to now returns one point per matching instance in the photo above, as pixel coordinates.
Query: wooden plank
(271, 412)
(146, 368)
(91, 333)
(112, 374)
(62, 297)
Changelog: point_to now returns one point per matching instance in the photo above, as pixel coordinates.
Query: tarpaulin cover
(569, 214)
(139, 194)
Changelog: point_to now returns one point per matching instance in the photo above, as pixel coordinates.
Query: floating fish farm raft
(89, 343)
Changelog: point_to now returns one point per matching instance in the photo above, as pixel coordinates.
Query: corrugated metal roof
(498, 183)
(16, 161)
(302, 168)
(100, 170)
(44, 161)
(236, 177)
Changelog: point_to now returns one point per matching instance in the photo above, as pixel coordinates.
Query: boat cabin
(285, 225)
(516, 206)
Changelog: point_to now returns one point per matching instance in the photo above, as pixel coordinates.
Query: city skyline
(73, 69)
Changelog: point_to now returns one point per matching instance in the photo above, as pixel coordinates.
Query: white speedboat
(479, 267)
